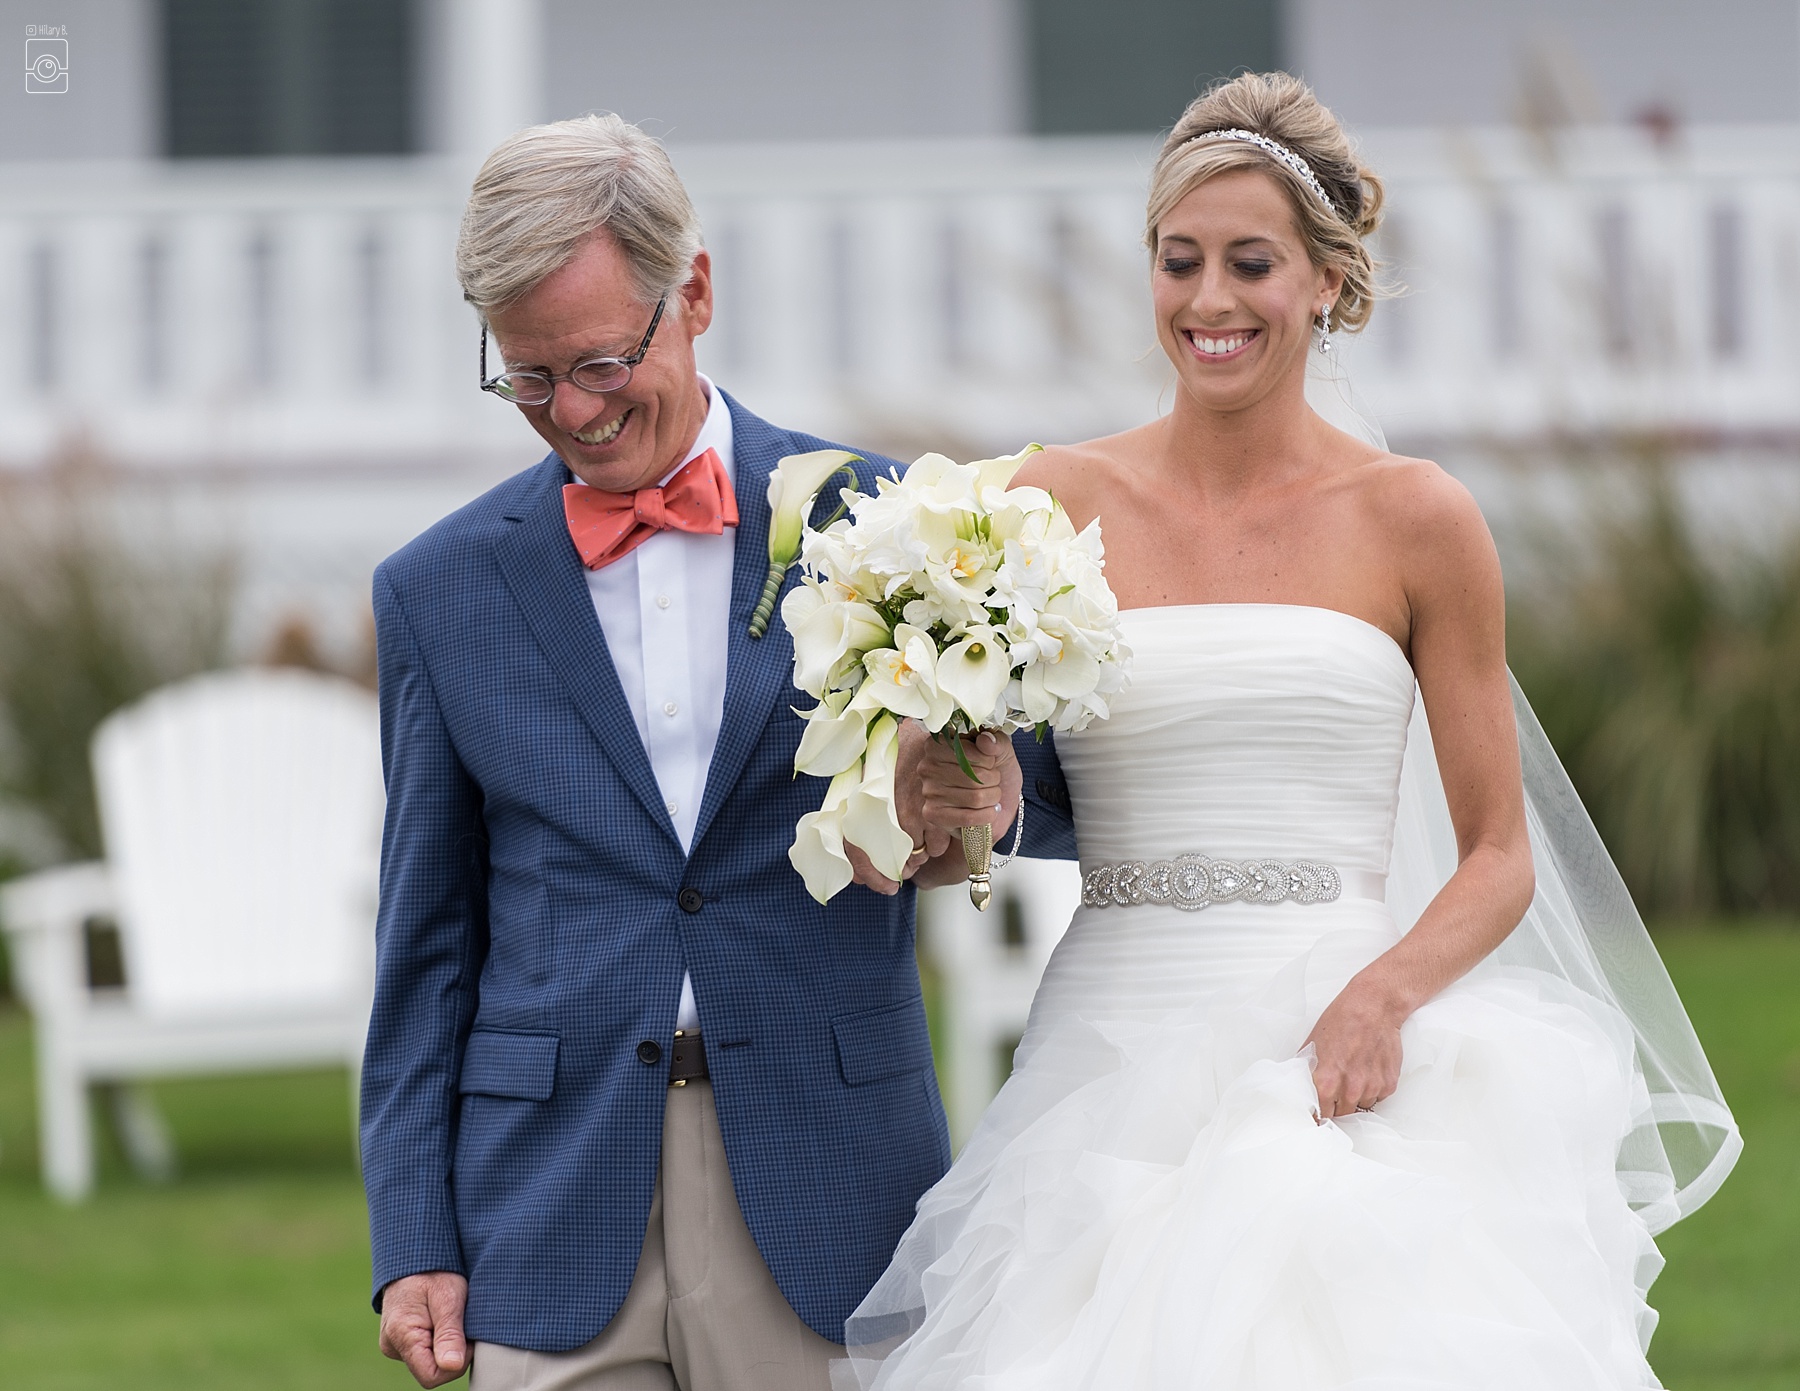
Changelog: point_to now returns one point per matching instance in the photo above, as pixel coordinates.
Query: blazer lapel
(541, 568)
(758, 671)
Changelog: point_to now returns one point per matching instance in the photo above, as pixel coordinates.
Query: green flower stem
(954, 738)
(765, 606)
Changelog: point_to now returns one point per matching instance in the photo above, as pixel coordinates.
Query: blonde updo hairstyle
(1283, 109)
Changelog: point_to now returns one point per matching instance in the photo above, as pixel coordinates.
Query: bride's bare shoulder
(1426, 514)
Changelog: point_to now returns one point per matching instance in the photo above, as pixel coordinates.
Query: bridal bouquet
(951, 600)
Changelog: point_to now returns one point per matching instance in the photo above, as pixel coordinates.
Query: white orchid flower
(902, 680)
(974, 673)
(1036, 702)
(1025, 576)
(965, 571)
(818, 848)
(871, 821)
(1072, 675)
(934, 484)
(793, 487)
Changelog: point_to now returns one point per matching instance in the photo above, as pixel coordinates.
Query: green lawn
(1730, 1295)
(249, 1270)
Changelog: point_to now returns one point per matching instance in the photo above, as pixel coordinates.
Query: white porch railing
(967, 295)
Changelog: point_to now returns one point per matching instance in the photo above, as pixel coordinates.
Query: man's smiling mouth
(607, 433)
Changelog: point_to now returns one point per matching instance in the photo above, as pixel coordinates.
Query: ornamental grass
(1664, 663)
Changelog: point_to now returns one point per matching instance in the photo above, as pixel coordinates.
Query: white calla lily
(834, 739)
(974, 673)
(871, 821)
(818, 848)
(793, 487)
(997, 473)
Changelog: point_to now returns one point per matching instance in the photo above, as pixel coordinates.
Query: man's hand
(948, 800)
(871, 878)
(422, 1325)
(935, 799)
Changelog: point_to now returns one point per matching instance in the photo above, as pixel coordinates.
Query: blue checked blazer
(537, 914)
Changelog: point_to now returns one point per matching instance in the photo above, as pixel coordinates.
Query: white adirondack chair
(241, 813)
(991, 964)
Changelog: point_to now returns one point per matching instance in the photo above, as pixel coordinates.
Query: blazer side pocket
(515, 1065)
(882, 1042)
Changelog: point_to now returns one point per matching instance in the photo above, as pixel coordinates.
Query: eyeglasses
(594, 374)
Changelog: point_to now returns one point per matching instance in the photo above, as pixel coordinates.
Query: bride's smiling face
(1234, 290)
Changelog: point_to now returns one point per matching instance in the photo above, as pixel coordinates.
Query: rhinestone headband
(1301, 169)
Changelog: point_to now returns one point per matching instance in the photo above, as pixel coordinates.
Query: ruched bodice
(1248, 730)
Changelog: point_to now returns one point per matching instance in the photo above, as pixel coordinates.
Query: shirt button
(649, 1052)
(690, 900)
(671, 708)
(662, 601)
(671, 807)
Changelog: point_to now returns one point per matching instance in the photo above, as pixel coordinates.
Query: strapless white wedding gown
(1149, 1202)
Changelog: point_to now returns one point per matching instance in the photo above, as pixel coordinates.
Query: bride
(1356, 1068)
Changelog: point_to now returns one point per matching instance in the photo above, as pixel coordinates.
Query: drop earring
(1325, 329)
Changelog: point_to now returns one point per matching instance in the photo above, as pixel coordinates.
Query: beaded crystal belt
(1192, 882)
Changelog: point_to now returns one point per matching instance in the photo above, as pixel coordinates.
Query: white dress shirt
(666, 611)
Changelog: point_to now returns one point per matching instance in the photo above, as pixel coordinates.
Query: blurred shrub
(1667, 673)
(9, 866)
(91, 618)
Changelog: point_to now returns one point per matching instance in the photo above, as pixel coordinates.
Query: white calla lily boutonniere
(793, 488)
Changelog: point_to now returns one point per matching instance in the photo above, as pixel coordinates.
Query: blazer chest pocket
(516, 1065)
(882, 1042)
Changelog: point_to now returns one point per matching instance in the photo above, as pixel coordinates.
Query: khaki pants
(703, 1313)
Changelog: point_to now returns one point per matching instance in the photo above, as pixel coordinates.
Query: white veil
(1582, 926)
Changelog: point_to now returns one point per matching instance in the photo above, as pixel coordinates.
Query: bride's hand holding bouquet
(948, 599)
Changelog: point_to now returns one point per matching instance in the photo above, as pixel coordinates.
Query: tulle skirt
(1149, 1202)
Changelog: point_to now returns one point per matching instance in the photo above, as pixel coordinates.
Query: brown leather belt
(687, 1061)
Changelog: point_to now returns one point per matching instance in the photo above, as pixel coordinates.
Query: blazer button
(690, 900)
(649, 1052)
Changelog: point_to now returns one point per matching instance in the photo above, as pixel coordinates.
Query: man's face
(618, 440)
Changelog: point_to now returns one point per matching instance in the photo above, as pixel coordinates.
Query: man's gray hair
(547, 188)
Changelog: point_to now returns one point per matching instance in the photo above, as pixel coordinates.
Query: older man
(637, 1112)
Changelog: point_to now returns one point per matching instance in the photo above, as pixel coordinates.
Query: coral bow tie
(605, 526)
